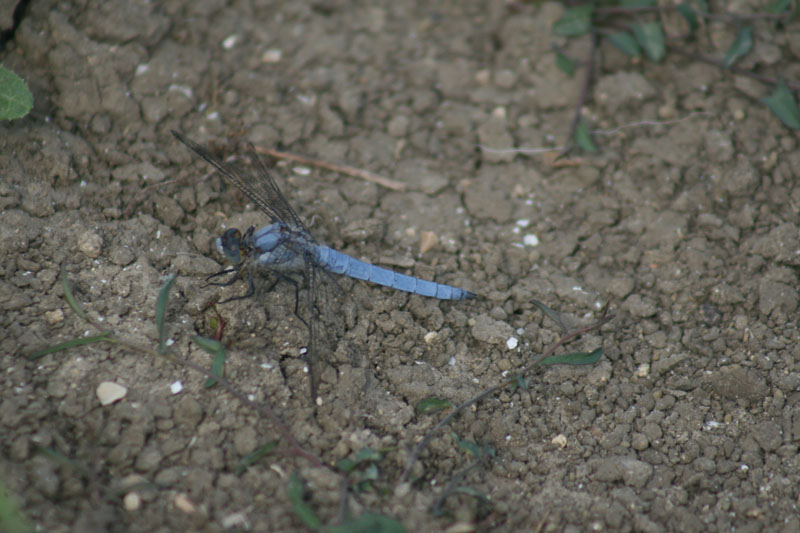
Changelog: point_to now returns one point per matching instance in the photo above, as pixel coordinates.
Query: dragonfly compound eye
(229, 244)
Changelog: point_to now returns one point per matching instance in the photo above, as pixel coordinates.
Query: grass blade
(432, 404)
(69, 296)
(62, 459)
(103, 337)
(301, 508)
(254, 457)
(552, 315)
(161, 307)
(574, 359)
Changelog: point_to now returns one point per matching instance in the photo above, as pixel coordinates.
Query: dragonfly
(285, 248)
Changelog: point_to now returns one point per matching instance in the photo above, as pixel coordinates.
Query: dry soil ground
(687, 224)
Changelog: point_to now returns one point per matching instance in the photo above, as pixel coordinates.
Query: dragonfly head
(230, 245)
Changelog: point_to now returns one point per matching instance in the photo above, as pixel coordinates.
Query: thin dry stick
(365, 175)
(491, 390)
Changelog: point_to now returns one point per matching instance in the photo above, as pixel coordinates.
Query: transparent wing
(261, 189)
(326, 324)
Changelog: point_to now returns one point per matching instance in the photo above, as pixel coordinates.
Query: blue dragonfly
(286, 247)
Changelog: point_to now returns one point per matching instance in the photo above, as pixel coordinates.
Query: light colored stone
(109, 392)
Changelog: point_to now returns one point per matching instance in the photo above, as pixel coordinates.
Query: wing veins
(264, 193)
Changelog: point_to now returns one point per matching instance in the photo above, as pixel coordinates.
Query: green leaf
(466, 445)
(565, 64)
(690, 16)
(11, 518)
(161, 307)
(16, 100)
(575, 21)
(651, 38)
(346, 465)
(778, 6)
(552, 315)
(254, 457)
(782, 103)
(432, 404)
(296, 493)
(702, 5)
(626, 43)
(217, 349)
(370, 473)
(577, 358)
(367, 454)
(212, 346)
(103, 337)
(369, 523)
(740, 47)
(583, 138)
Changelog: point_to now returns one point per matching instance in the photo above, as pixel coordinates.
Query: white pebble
(230, 41)
(530, 240)
(132, 502)
(109, 392)
(273, 55)
(183, 503)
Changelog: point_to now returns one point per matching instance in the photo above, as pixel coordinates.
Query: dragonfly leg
(296, 285)
(233, 278)
(251, 290)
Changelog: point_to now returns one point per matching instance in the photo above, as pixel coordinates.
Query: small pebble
(183, 503)
(427, 240)
(273, 55)
(90, 243)
(54, 317)
(132, 501)
(109, 392)
(230, 41)
(530, 240)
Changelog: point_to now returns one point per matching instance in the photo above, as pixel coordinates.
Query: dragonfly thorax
(277, 247)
